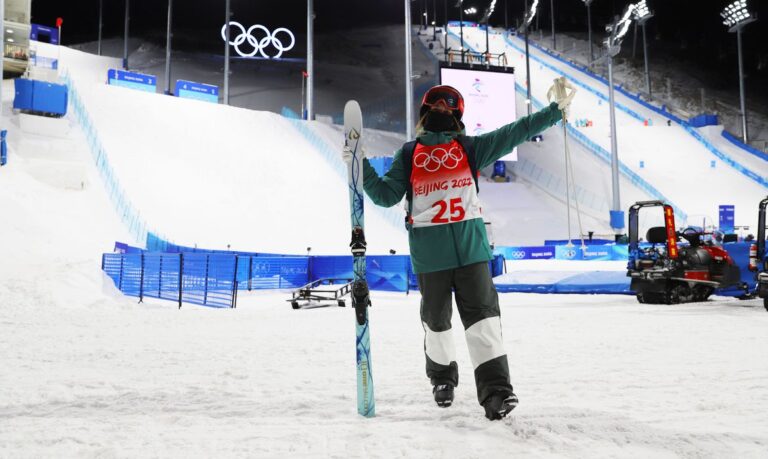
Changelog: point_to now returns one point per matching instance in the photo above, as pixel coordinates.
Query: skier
(449, 247)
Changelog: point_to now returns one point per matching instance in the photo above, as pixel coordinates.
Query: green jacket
(441, 247)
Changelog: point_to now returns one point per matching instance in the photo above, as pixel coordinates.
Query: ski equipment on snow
(353, 129)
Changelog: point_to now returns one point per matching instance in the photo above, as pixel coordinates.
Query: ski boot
(499, 405)
(443, 395)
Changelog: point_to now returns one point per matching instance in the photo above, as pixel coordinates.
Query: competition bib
(443, 188)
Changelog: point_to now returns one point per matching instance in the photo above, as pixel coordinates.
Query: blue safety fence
(209, 276)
(748, 148)
(638, 99)
(195, 278)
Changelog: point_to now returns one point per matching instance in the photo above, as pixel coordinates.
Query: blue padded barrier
(617, 219)
(703, 120)
(578, 241)
(40, 97)
(725, 158)
(596, 282)
(382, 165)
(273, 272)
(384, 272)
(545, 252)
(613, 252)
(749, 149)
(3, 148)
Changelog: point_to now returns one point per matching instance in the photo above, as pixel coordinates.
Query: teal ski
(353, 130)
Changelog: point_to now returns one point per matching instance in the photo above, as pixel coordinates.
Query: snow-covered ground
(596, 376)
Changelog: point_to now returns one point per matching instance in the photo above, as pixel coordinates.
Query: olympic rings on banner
(517, 254)
(270, 38)
(431, 162)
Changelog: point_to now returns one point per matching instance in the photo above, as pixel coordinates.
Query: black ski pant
(478, 305)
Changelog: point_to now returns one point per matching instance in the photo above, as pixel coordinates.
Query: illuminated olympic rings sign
(431, 162)
(259, 45)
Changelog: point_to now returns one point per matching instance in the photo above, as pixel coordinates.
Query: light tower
(587, 3)
(485, 19)
(642, 15)
(529, 15)
(736, 16)
(612, 44)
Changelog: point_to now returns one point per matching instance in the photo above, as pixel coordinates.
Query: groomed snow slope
(216, 176)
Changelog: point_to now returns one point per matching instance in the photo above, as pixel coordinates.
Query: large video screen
(489, 97)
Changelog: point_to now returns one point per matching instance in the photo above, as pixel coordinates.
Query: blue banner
(545, 252)
(576, 252)
(727, 213)
(198, 91)
(132, 80)
(38, 31)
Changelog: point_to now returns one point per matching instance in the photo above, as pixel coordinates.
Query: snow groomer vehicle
(758, 259)
(672, 267)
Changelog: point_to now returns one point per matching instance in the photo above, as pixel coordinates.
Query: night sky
(689, 30)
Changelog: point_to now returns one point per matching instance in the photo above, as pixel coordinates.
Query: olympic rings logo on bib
(258, 45)
(437, 158)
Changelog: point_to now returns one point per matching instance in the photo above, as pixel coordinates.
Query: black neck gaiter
(440, 122)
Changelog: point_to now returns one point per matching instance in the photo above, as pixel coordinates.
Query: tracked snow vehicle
(758, 258)
(667, 270)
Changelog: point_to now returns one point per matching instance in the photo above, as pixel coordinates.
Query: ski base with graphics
(353, 129)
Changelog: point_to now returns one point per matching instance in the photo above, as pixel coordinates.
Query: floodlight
(472, 10)
(489, 11)
(737, 15)
(532, 13)
(618, 29)
(642, 13)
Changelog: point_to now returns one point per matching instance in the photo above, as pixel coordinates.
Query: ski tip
(352, 113)
(351, 104)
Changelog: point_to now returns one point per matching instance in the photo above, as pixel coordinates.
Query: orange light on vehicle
(669, 222)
